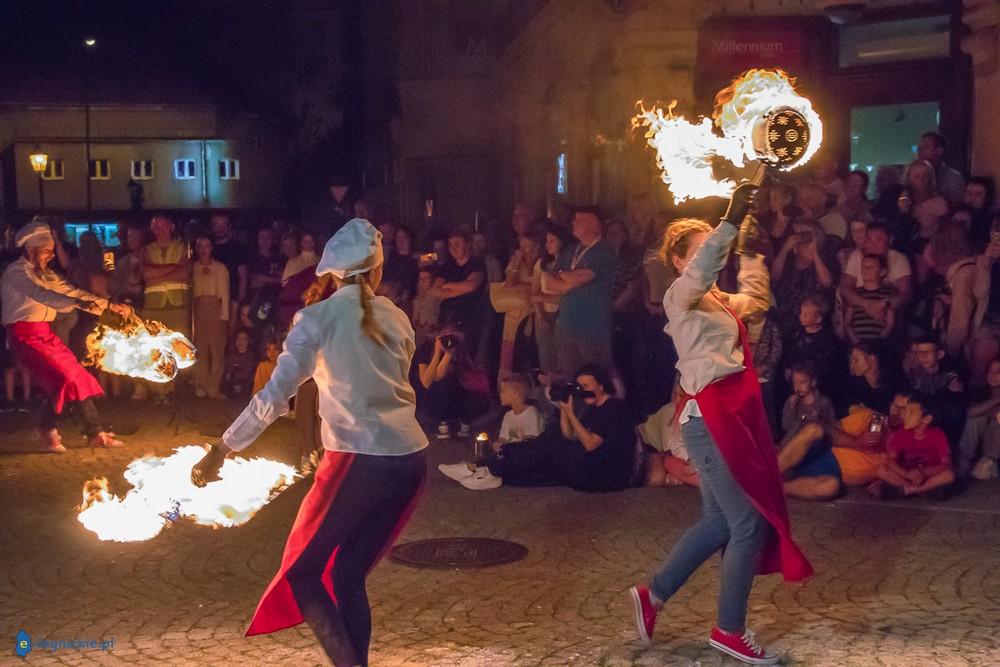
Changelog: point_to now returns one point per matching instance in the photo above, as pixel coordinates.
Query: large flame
(140, 349)
(685, 151)
(162, 492)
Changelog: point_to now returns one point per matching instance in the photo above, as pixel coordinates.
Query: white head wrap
(356, 248)
(34, 234)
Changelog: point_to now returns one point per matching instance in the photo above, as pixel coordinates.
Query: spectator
(806, 404)
(776, 223)
(126, 280)
(671, 464)
(813, 340)
(981, 435)
(859, 324)
(481, 248)
(211, 319)
(88, 262)
(871, 385)
(401, 265)
(583, 279)
(265, 367)
(917, 459)
(236, 259)
(815, 475)
(979, 195)
(640, 220)
(931, 372)
(627, 339)
(454, 389)
(267, 265)
(426, 309)
(546, 302)
(513, 296)
(166, 271)
(460, 285)
(950, 184)
(767, 349)
(899, 275)
(857, 230)
(297, 258)
(951, 254)
(986, 321)
(825, 175)
(854, 203)
(813, 201)
(241, 363)
(520, 221)
(800, 270)
(920, 201)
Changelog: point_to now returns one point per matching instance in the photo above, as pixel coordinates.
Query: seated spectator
(670, 464)
(241, 363)
(592, 452)
(806, 404)
(454, 390)
(952, 258)
(930, 371)
(266, 366)
(767, 349)
(857, 230)
(917, 459)
(859, 325)
(521, 423)
(814, 203)
(854, 204)
(426, 309)
(920, 201)
(813, 340)
(985, 343)
(925, 316)
(899, 275)
(800, 270)
(979, 194)
(870, 385)
(982, 431)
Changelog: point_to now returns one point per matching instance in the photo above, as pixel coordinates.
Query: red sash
(733, 411)
(53, 365)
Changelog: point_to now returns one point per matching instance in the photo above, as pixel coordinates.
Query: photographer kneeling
(594, 451)
(453, 389)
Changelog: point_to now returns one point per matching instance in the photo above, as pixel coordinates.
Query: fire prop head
(761, 117)
(141, 349)
(162, 492)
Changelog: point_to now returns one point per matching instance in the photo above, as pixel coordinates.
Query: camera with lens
(560, 393)
(450, 341)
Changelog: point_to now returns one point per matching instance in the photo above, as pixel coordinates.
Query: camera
(449, 341)
(560, 393)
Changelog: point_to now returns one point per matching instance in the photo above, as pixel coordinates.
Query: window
(142, 170)
(100, 170)
(184, 170)
(229, 170)
(53, 170)
(923, 38)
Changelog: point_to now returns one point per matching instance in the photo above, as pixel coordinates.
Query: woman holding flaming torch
(358, 347)
(726, 432)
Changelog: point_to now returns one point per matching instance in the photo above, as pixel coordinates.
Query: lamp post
(39, 161)
(90, 45)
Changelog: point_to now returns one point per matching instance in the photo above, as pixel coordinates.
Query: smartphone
(428, 258)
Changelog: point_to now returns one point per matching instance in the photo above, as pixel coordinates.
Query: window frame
(229, 169)
(190, 169)
(97, 176)
(143, 175)
(50, 167)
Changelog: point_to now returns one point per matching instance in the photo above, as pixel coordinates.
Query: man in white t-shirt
(812, 200)
(877, 243)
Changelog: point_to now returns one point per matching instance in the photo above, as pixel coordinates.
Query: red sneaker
(51, 440)
(105, 439)
(743, 647)
(645, 612)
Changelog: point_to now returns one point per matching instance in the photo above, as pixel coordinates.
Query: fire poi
(143, 349)
(162, 492)
(761, 117)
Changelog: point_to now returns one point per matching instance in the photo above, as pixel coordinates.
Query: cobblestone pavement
(907, 584)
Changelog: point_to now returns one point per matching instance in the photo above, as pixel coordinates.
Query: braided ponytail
(677, 241)
(368, 323)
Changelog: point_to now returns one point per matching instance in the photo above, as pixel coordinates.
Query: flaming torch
(138, 348)
(762, 118)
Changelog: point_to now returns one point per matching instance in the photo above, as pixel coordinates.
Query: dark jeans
(370, 505)
(84, 410)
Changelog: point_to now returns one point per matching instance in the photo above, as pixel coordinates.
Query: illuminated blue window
(562, 177)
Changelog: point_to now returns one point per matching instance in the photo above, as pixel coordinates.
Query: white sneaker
(199, 392)
(985, 468)
(464, 430)
(444, 431)
(481, 480)
(456, 471)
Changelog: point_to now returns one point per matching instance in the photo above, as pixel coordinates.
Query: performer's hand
(124, 310)
(207, 469)
(739, 204)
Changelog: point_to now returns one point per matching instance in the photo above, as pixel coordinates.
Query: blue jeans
(729, 520)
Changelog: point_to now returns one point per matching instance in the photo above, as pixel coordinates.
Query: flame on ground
(140, 349)
(162, 492)
(685, 151)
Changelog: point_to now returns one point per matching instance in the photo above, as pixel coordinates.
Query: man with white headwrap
(358, 347)
(31, 295)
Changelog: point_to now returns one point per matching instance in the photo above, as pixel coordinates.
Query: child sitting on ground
(813, 340)
(918, 459)
(266, 366)
(860, 325)
(522, 422)
(806, 405)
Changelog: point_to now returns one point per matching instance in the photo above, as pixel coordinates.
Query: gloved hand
(207, 469)
(746, 240)
(739, 204)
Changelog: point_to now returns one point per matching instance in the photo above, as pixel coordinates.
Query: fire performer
(32, 294)
(358, 348)
(726, 432)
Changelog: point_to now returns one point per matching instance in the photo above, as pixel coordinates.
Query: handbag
(506, 299)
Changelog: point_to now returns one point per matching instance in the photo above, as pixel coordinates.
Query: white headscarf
(356, 248)
(34, 234)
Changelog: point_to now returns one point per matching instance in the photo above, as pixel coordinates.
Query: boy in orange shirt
(918, 458)
(266, 366)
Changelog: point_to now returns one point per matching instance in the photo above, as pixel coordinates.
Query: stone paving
(902, 584)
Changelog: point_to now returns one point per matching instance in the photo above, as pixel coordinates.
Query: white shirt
(705, 334)
(365, 397)
(898, 264)
(834, 224)
(213, 282)
(298, 263)
(528, 424)
(31, 296)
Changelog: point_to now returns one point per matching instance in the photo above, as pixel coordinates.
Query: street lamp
(39, 161)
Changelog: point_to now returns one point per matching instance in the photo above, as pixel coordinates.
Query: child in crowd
(240, 364)
(426, 308)
(522, 422)
(917, 457)
(929, 371)
(806, 404)
(860, 325)
(814, 341)
(266, 366)
(982, 429)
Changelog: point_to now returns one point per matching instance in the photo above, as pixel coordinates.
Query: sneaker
(105, 439)
(481, 480)
(199, 392)
(645, 612)
(464, 431)
(7, 408)
(456, 471)
(985, 468)
(51, 440)
(444, 431)
(743, 647)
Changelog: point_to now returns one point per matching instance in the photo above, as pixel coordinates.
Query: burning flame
(162, 492)
(140, 349)
(685, 151)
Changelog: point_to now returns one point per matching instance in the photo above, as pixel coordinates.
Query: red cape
(53, 366)
(733, 411)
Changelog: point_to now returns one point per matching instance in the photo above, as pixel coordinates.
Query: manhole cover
(457, 552)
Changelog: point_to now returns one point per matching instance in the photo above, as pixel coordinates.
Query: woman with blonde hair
(920, 199)
(725, 430)
(358, 347)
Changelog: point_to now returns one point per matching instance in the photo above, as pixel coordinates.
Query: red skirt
(53, 366)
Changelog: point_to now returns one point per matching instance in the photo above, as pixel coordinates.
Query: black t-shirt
(858, 391)
(233, 255)
(271, 266)
(403, 270)
(609, 467)
(467, 307)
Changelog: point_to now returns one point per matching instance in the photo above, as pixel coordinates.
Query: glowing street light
(39, 161)
(90, 42)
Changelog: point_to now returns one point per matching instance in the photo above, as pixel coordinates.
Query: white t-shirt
(833, 223)
(528, 424)
(899, 266)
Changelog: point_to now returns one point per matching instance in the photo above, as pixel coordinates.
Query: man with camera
(453, 389)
